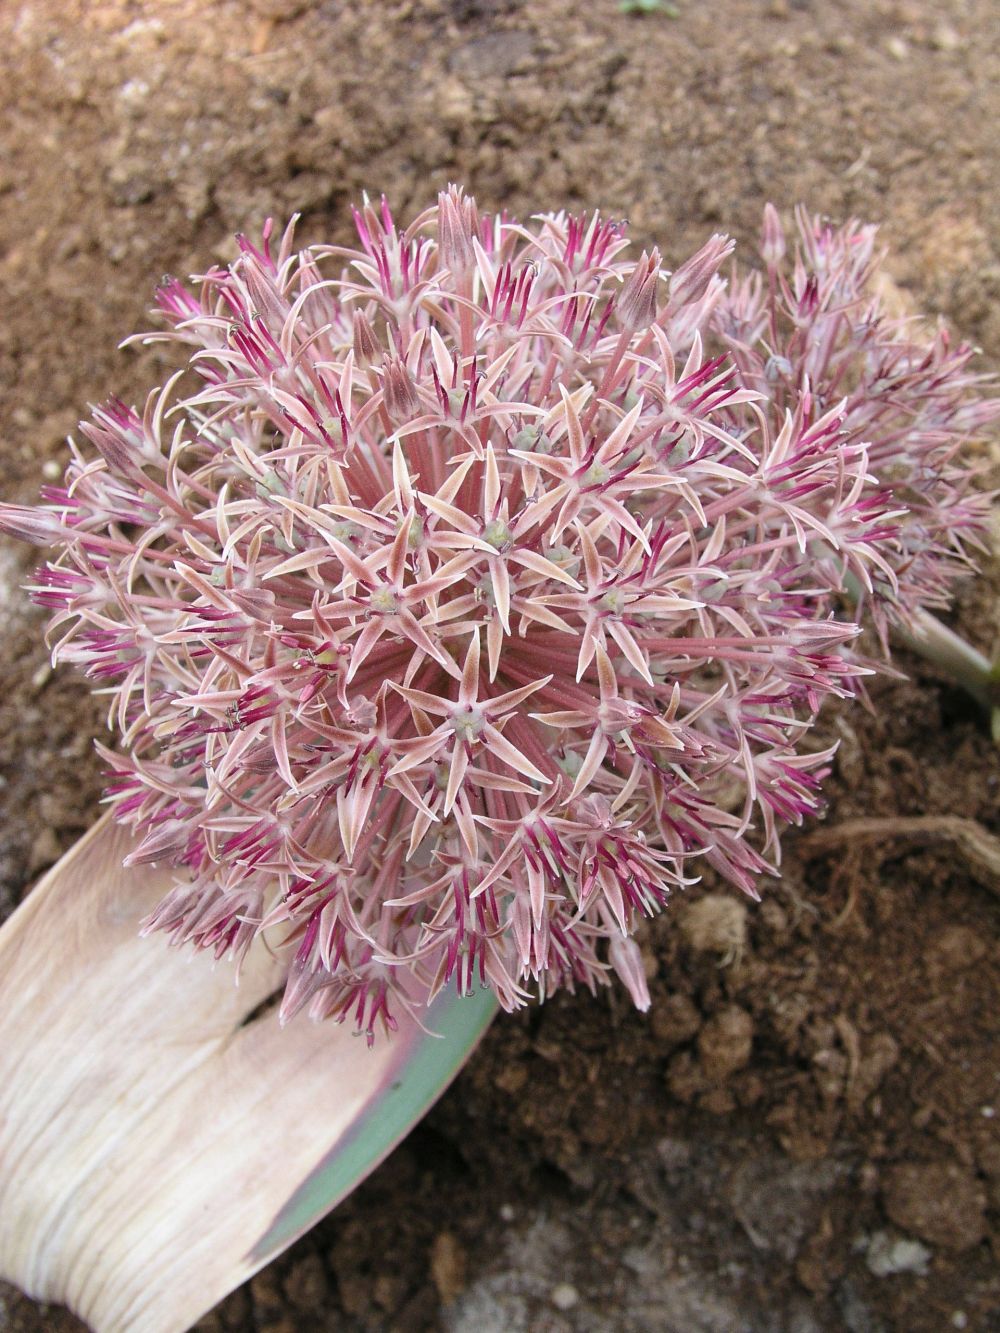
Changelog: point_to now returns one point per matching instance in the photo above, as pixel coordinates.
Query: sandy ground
(592, 1170)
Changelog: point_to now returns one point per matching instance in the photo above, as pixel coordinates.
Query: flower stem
(965, 664)
(945, 649)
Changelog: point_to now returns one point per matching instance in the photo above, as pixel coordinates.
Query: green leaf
(426, 1066)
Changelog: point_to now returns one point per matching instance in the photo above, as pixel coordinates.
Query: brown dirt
(813, 1101)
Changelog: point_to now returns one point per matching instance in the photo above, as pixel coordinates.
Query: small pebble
(946, 39)
(564, 1296)
(448, 1266)
(941, 1202)
(889, 1254)
(716, 924)
(675, 1020)
(955, 949)
(725, 1042)
(41, 676)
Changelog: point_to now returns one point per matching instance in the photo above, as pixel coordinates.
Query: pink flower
(454, 600)
(815, 337)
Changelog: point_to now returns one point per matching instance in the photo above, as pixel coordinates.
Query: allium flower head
(454, 599)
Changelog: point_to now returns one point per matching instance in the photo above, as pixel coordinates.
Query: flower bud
(458, 222)
(25, 523)
(626, 959)
(637, 302)
(401, 401)
(772, 238)
(365, 342)
(690, 282)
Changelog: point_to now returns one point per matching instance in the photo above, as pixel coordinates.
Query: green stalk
(965, 664)
(950, 653)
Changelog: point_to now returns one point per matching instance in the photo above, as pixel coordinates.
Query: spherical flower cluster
(465, 599)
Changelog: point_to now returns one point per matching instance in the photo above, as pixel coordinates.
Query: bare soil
(804, 1133)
